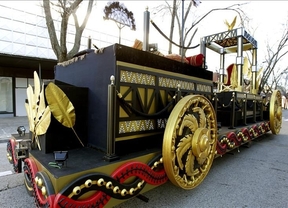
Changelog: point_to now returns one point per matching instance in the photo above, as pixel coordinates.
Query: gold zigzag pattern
(141, 125)
(203, 88)
(147, 79)
(172, 83)
(137, 125)
(137, 78)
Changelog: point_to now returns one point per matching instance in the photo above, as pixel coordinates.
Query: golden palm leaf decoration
(259, 77)
(247, 69)
(43, 115)
(30, 108)
(39, 116)
(61, 107)
(231, 26)
(234, 77)
(249, 75)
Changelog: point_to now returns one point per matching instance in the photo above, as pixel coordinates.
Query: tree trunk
(174, 9)
(60, 47)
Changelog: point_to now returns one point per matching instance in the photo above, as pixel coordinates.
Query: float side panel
(92, 71)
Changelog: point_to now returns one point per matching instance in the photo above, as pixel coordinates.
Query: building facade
(25, 47)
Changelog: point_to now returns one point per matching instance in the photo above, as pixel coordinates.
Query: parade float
(117, 122)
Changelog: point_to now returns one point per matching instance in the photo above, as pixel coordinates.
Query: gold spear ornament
(39, 116)
(61, 107)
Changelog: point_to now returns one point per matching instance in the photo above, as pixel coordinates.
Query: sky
(266, 17)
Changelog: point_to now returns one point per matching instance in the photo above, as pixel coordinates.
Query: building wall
(23, 32)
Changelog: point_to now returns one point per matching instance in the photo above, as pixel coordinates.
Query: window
(6, 100)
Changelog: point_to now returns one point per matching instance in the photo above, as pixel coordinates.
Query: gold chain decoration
(109, 184)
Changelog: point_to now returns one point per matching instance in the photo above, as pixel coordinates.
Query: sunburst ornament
(61, 107)
(189, 142)
(39, 115)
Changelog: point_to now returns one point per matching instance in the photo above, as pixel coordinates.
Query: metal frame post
(111, 109)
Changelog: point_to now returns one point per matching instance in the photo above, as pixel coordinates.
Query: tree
(65, 8)
(190, 31)
(173, 14)
(272, 60)
(120, 15)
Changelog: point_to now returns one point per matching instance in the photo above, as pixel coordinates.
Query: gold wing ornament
(61, 107)
(231, 26)
(39, 116)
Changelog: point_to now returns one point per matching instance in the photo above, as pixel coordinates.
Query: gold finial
(112, 79)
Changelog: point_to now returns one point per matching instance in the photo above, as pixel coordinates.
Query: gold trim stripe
(204, 88)
(162, 71)
(172, 83)
(136, 125)
(136, 78)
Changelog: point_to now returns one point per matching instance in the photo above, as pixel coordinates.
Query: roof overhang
(23, 66)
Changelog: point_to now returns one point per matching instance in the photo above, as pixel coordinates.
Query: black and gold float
(118, 121)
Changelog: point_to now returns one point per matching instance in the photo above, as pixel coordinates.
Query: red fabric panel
(229, 72)
(196, 60)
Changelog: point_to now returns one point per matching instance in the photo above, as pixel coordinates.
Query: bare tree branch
(272, 59)
(65, 8)
(174, 10)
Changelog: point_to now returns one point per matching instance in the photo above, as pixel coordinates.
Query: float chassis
(143, 119)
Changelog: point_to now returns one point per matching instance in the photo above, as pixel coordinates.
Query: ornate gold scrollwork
(275, 112)
(190, 141)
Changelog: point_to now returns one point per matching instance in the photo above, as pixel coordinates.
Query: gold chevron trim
(141, 125)
(136, 125)
(172, 83)
(204, 88)
(137, 78)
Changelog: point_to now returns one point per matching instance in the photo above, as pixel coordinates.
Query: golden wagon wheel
(189, 142)
(275, 112)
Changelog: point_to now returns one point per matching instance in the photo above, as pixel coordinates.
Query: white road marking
(5, 173)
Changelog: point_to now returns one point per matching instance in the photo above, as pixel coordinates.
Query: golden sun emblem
(190, 141)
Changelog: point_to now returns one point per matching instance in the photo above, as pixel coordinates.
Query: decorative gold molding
(162, 71)
(137, 78)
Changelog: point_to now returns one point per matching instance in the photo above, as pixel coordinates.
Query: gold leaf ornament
(43, 124)
(30, 106)
(38, 114)
(61, 107)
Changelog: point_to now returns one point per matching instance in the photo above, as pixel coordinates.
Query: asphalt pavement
(9, 125)
(253, 177)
